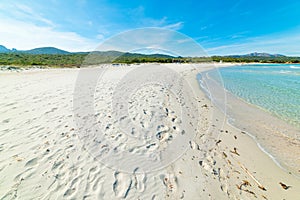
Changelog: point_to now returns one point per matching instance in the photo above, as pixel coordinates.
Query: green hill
(46, 50)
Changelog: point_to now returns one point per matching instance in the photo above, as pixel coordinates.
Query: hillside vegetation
(81, 59)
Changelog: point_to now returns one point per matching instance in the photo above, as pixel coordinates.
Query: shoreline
(268, 117)
(46, 67)
(257, 106)
(277, 163)
(276, 160)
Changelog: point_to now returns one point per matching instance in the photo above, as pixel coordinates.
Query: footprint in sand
(170, 181)
(31, 162)
(122, 184)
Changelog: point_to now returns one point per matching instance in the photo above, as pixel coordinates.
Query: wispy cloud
(283, 43)
(22, 12)
(175, 26)
(203, 28)
(138, 14)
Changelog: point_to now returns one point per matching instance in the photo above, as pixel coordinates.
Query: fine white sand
(43, 154)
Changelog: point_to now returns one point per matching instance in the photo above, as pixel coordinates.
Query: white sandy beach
(43, 155)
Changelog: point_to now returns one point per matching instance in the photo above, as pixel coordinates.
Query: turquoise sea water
(272, 87)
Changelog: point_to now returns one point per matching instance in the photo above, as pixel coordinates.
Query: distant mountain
(127, 54)
(46, 50)
(42, 50)
(3, 49)
(118, 54)
(160, 56)
(256, 54)
(110, 54)
(114, 54)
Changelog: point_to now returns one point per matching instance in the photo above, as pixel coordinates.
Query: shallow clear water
(273, 87)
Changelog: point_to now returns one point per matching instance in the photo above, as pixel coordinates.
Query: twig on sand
(218, 142)
(235, 151)
(229, 162)
(204, 106)
(251, 192)
(284, 186)
(245, 183)
(256, 181)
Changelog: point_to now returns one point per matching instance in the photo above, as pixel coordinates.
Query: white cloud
(100, 37)
(24, 35)
(24, 28)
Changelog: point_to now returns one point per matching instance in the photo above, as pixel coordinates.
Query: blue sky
(221, 27)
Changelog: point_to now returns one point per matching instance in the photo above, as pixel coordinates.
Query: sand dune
(150, 152)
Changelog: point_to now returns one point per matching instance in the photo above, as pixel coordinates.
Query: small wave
(294, 67)
(284, 72)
